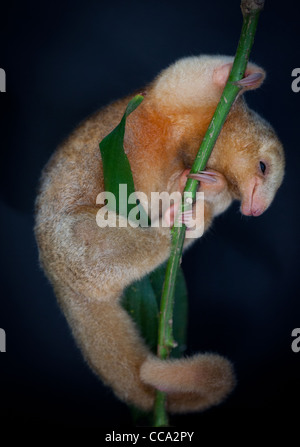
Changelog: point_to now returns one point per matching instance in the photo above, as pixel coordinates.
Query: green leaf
(142, 301)
(116, 167)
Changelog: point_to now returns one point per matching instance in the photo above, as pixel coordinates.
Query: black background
(63, 60)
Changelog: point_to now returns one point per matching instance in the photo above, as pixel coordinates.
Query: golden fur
(89, 266)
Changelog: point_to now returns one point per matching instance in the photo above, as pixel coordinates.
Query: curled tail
(114, 350)
(191, 384)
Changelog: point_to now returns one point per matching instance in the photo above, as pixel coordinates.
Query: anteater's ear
(254, 76)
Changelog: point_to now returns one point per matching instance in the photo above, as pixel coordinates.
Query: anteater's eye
(262, 166)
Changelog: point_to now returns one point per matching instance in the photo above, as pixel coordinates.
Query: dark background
(63, 60)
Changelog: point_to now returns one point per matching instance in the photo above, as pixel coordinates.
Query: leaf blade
(140, 302)
(116, 166)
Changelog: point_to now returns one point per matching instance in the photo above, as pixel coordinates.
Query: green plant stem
(160, 415)
(251, 10)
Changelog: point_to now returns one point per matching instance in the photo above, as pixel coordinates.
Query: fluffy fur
(89, 267)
